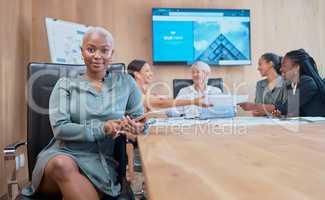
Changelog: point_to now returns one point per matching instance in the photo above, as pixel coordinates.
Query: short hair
(100, 30)
(135, 66)
(200, 65)
(274, 59)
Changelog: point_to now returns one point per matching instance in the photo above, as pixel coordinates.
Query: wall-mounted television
(215, 36)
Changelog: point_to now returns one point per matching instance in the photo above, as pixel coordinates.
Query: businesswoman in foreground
(86, 116)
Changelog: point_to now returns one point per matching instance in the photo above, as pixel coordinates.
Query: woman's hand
(133, 126)
(112, 127)
(128, 127)
(200, 101)
(247, 106)
(276, 113)
(258, 113)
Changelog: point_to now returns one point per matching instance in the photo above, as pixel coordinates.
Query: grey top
(264, 95)
(77, 115)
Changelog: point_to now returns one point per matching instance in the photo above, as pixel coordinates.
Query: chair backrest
(117, 67)
(178, 84)
(42, 77)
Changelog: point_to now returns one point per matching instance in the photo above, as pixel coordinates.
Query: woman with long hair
(305, 89)
(270, 90)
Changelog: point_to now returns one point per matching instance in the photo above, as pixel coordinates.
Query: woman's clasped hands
(126, 126)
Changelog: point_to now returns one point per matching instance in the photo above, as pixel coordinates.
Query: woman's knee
(60, 168)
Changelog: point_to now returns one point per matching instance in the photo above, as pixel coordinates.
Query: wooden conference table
(235, 161)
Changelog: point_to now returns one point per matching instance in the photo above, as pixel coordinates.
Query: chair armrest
(11, 149)
(10, 157)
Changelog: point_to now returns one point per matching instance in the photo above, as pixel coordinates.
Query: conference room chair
(178, 84)
(41, 79)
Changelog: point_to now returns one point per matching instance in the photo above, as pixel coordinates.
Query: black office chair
(178, 84)
(41, 79)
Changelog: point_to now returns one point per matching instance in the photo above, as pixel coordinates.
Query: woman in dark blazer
(305, 87)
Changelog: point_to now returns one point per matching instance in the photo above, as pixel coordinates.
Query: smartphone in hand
(140, 118)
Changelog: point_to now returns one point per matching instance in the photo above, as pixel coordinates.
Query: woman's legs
(130, 154)
(62, 175)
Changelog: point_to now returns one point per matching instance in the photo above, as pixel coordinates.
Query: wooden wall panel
(322, 37)
(277, 26)
(15, 23)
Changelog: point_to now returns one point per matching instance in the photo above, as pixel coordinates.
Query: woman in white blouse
(200, 87)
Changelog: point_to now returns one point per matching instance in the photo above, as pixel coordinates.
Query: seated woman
(270, 90)
(141, 71)
(86, 116)
(305, 89)
(200, 87)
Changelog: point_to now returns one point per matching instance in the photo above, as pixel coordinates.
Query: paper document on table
(306, 119)
(226, 100)
(314, 119)
(223, 107)
(174, 121)
(240, 99)
(239, 121)
(221, 100)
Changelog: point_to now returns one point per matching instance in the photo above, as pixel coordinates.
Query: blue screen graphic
(218, 37)
(170, 37)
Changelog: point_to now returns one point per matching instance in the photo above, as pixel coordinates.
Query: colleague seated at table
(86, 116)
(305, 89)
(143, 74)
(270, 90)
(200, 75)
